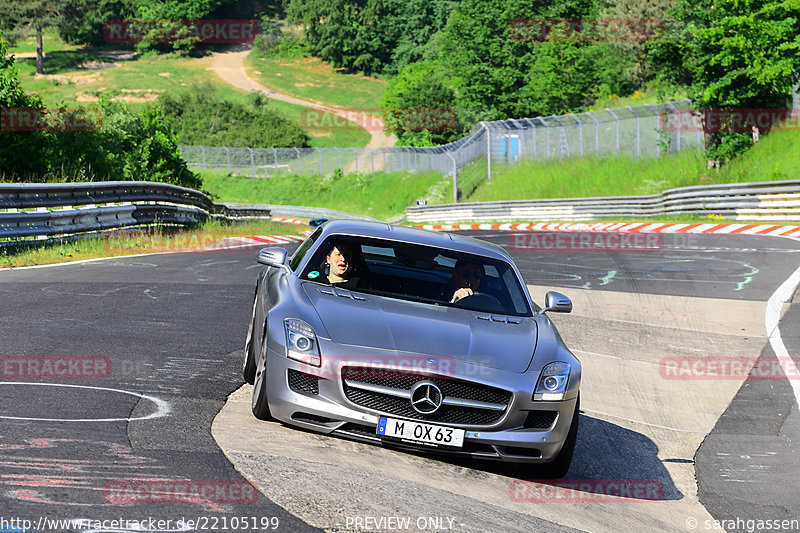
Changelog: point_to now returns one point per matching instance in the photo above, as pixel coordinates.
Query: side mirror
(273, 257)
(556, 302)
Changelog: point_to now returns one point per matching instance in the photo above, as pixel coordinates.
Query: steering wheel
(480, 301)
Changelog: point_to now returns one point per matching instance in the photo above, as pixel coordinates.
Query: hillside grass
(78, 76)
(774, 157)
(380, 195)
(311, 78)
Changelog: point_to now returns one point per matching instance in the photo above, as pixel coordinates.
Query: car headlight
(301, 342)
(552, 383)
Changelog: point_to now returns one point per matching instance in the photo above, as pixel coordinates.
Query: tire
(259, 404)
(249, 365)
(560, 466)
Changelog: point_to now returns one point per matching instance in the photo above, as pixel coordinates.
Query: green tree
(501, 71)
(352, 34)
(370, 36)
(732, 54)
(18, 17)
(419, 106)
(655, 17)
(82, 21)
(168, 14)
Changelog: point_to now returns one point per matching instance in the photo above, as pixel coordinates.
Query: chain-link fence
(638, 131)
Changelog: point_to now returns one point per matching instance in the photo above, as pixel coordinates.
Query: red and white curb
(628, 227)
(254, 240)
(289, 220)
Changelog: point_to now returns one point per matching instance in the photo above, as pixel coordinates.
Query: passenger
(340, 266)
(466, 280)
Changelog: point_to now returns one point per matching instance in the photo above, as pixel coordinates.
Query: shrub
(199, 116)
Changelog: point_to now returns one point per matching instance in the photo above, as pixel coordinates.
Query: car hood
(410, 327)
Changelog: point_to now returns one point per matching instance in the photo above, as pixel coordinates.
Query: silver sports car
(421, 340)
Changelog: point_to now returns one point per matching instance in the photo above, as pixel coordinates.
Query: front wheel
(560, 466)
(259, 403)
(249, 365)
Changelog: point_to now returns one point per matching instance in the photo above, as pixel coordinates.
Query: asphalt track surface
(172, 326)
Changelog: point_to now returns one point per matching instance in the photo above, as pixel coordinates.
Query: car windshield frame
(421, 273)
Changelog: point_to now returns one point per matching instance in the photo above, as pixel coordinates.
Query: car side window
(298, 256)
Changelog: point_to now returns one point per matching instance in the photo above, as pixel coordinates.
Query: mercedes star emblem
(426, 397)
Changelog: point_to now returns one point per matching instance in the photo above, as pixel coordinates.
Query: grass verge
(380, 195)
(772, 158)
(132, 242)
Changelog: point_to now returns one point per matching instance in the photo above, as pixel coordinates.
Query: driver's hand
(461, 293)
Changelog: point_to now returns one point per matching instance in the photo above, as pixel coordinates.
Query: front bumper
(326, 409)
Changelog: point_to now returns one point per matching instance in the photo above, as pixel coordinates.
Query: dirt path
(230, 67)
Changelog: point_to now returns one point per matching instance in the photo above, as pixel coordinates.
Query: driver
(467, 277)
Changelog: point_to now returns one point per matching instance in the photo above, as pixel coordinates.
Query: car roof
(438, 239)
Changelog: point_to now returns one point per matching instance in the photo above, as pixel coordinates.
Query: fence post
(546, 138)
(228, 153)
(533, 136)
(596, 134)
(488, 150)
(275, 153)
(616, 129)
(638, 143)
(203, 149)
(563, 145)
(356, 152)
(455, 177)
(371, 159)
(320, 161)
(678, 137)
(580, 133)
(658, 129)
(252, 164)
(338, 157)
(298, 161)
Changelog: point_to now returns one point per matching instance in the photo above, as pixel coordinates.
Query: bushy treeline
(106, 142)
(464, 61)
(199, 116)
(498, 59)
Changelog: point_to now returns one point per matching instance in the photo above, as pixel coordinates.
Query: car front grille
(301, 382)
(388, 391)
(540, 419)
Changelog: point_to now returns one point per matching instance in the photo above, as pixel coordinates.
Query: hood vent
(330, 291)
(503, 319)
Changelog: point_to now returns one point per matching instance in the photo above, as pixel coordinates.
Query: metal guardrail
(771, 200)
(300, 211)
(49, 210)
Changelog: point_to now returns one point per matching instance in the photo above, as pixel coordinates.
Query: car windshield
(418, 273)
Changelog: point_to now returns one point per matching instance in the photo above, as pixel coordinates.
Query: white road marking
(772, 317)
(644, 423)
(162, 407)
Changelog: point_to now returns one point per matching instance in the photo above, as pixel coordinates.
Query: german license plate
(418, 433)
